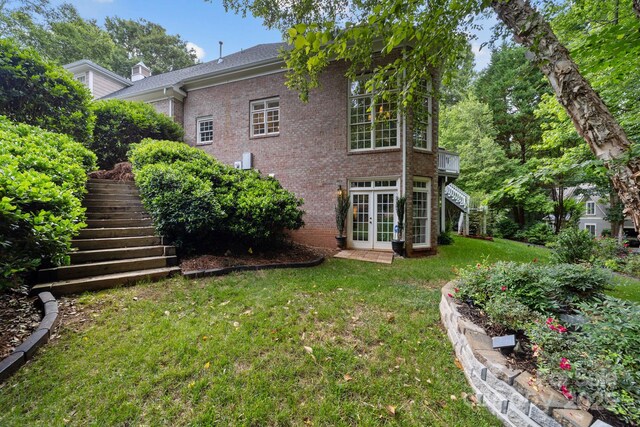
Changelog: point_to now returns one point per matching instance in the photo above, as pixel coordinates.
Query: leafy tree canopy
(62, 35)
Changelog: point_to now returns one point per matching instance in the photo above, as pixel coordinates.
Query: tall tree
(513, 87)
(467, 128)
(458, 79)
(60, 34)
(145, 41)
(436, 30)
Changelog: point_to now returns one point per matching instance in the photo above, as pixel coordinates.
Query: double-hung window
(373, 120)
(421, 212)
(265, 117)
(204, 129)
(591, 207)
(422, 118)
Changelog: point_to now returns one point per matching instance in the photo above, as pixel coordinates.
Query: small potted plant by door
(398, 244)
(342, 210)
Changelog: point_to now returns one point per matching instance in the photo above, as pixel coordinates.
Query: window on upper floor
(373, 121)
(591, 208)
(265, 117)
(422, 119)
(204, 129)
(82, 78)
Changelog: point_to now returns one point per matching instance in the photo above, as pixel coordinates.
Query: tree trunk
(593, 121)
(636, 7)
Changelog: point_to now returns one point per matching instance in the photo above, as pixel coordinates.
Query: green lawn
(231, 350)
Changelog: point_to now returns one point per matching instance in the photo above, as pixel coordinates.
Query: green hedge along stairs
(118, 247)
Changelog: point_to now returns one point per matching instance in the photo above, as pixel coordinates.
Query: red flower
(450, 296)
(549, 320)
(564, 364)
(456, 290)
(561, 329)
(565, 392)
(504, 288)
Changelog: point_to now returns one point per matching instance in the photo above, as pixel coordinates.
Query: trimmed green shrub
(196, 200)
(573, 246)
(39, 93)
(505, 227)
(122, 123)
(445, 238)
(543, 289)
(42, 178)
(599, 361)
(539, 234)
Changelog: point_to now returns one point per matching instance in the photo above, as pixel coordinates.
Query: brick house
(238, 109)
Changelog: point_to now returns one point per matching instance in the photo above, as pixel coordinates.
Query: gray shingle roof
(245, 58)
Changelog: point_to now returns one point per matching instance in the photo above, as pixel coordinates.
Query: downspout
(404, 148)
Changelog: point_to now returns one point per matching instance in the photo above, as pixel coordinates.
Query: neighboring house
(595, 211)
(238, 109)
(100, 81)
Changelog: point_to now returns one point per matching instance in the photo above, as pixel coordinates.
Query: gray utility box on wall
(246, 161)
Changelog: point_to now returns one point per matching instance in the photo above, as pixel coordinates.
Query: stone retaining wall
(514, 396)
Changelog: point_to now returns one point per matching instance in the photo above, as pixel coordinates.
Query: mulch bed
(19, 317)
(292, 253)
(120, 172)
(524, 359)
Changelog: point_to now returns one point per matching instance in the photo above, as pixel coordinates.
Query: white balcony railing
(448, 162)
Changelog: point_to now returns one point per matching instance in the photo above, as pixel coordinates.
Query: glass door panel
(360, 233)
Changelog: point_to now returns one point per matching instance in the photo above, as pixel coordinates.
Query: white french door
(373, 215)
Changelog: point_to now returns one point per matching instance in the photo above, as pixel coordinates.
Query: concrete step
(112, 189)
(107, 182)
(89, 202)
(112, 196)
(117, 215)
(104, 282)
(114, 223)
(105, 267)
(79, 257)
(102, 233)
(110, 208)
(117, 242)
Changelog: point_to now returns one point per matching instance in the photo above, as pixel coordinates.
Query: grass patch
(231, 350)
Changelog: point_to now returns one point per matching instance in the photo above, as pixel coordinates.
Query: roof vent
(139, 72)
(220, 57)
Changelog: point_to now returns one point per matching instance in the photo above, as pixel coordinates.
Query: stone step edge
(103, 263)
(25, 351)
(140, 275)
(492, 381)
(110, 250)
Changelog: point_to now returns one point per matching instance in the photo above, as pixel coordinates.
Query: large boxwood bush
(39, 93)
(42, 178)
(199, 202)
(122, 123)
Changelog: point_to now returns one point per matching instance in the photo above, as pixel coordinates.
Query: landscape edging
(511, 395)
(25, 351)
(193, 274)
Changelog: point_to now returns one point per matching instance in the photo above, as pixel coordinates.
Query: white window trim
(427, 190)
(198, 134)
(373, 129)
(595, 228)
(592, 203)
(266, 109)
(81, 75)
(429, 148)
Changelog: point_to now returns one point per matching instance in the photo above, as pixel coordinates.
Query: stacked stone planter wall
(514, 396)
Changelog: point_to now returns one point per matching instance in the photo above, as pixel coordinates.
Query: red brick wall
(310, 156)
